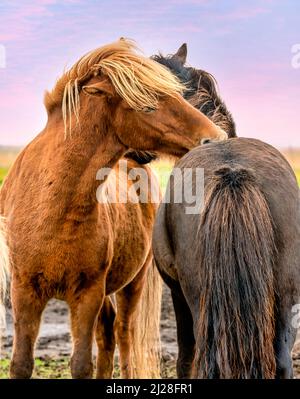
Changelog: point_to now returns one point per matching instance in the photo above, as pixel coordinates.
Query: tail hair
(235, 332)
(146, 335)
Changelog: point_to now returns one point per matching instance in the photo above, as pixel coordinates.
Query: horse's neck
(77, 160)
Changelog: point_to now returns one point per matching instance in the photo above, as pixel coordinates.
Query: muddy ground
(54, 341)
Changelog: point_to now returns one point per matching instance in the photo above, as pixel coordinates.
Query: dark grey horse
(234, 269)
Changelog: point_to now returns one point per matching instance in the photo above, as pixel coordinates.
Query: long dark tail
(236, 324)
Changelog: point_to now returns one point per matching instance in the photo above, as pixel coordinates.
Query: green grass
(3, 173)
(163, 170)
(59, 368)
(297, 171)
(44, 368)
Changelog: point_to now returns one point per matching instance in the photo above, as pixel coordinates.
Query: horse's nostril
(205, 141)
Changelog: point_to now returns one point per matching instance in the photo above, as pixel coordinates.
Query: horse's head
(136, 99)
(170, 126)
(201, 90)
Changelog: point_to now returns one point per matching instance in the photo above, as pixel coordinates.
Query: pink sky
(247, 48)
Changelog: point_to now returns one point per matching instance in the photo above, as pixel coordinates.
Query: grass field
(44, 368)
(3, 173)
(59, 368)
(7, 158)
(293, 156)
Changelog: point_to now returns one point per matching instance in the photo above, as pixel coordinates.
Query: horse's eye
(148, 110)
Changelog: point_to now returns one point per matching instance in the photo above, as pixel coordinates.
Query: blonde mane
(140, 81)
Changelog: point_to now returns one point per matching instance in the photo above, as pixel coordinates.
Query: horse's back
(265, 161)
(272, 173)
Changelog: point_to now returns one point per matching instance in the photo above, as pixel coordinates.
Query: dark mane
(201, 92)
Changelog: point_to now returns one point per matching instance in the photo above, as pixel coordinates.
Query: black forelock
(174, 65)
(184, 74)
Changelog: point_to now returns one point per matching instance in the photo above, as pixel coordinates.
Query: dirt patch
(54, 343)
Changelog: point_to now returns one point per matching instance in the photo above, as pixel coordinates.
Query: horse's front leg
(84, 309)
(27, 310)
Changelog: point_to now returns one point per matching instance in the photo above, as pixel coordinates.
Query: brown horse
(234, 269)
(63, 243)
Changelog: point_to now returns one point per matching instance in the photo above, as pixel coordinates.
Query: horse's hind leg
(105, 338)
(27, 311)
(84, 309)
(285, 335)
(185, 336)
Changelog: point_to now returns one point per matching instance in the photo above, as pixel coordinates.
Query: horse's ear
(181, 54)
(99, 88)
